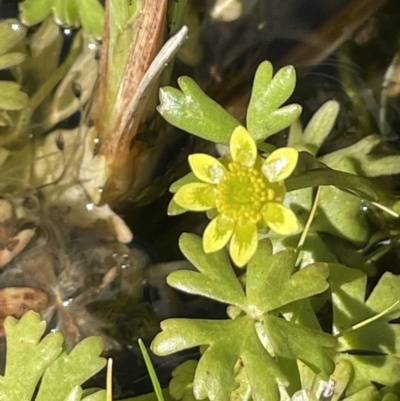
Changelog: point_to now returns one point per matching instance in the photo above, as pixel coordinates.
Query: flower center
(242, 193)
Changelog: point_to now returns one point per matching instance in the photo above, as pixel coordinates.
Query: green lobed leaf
(288, 341)
(321, 123)
(88, 13)
(32, 360)
(264, 117)
(11, 33)
(270, 283)
(27, 356)
(373, 348)
(98, 395)
(215, 277)
(193, 111)
(79, 365)
(11, 96)
(228, 341)
(75, 394)
(181, 384)
(11, 59)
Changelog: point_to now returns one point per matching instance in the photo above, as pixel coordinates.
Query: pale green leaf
(321, 123)
(288, 341)
(216, 277)
(271, 283)
(181, 384)
(75, 394)
(27, 356)
(88, 13)
(193, 111)
(98, 395)
(11, 59)
(278, 120)
(214, 376)
(11, 96)
(264, 117)
(85, 355)
(36, 364)
(5, 120)
(371, 345)
(11, 33)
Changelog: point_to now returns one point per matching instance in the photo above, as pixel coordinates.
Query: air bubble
(15, 26)
(92, 46)
(67, 302)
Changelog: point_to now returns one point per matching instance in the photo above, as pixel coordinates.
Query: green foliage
(32, 359)
(181, 384)
(12, 97)
(88, 13)
(152, 373)
(377, 341)
(190, 109)
(257, 323)
(340, 212)
(264, 117)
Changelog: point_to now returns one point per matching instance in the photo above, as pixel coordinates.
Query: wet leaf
(11, 96)
(270, 284)
(181, 384)
(11, 59)
(31, 359)
(373, 349)
(89, 13)
(11, 33)
(190, 109)
(75, 368)
(264, 115)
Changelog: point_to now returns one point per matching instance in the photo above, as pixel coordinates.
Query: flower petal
(207, 168)
(217, 233)
(244, 243)
(243, 147)
(197, 196)
(280, 164)
(280, 218)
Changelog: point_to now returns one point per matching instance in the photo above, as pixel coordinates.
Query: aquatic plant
(274, 210)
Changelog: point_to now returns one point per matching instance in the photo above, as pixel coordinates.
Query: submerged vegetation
(295, 249)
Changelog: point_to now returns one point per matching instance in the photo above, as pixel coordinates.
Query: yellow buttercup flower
(244, 191)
